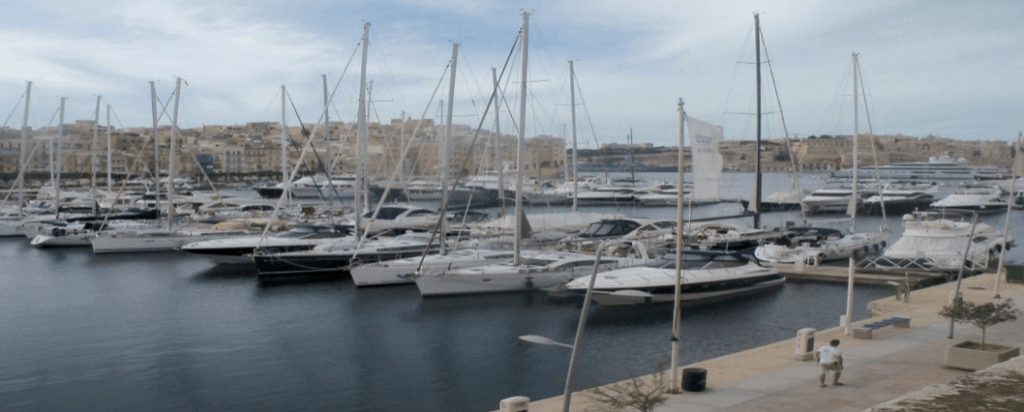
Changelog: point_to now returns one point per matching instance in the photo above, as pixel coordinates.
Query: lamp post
(579, 333)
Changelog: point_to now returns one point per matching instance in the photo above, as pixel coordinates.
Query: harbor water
(169, 331)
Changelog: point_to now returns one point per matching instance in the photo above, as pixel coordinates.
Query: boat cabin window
(420, 212)
(536, 262)
(386, 213)
(609, 228)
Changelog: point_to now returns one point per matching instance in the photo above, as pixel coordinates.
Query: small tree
(636, 394)
(982, 316)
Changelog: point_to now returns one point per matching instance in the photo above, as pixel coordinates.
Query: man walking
(830, 358)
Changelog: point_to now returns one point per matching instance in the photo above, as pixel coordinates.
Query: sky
(946, 68)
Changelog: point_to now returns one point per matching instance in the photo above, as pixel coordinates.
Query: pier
(896, 364)
(912, 279)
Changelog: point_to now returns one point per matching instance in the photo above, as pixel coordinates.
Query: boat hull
(445, 284)
(686, 299)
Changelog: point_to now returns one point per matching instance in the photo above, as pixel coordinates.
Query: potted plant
(971, 355)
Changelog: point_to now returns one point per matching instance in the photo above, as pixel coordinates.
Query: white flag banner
(707, 162)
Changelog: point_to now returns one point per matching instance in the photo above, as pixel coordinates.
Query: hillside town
(253, 151)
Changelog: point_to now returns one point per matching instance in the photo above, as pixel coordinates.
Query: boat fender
(529, 283)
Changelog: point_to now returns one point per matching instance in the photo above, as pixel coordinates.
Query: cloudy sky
(947, 68)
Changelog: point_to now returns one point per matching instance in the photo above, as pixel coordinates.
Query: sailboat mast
(170, 161)
(23, 158)
(95, 143)
(60, 157)
(500, 163)
(856, 173)
(284, 144)
(520, 151)
(572, 108)
(851, 273)
(361, 131)
(156, 147)
(327, 142)
(757, 147)
(446, 148)
(110, 149)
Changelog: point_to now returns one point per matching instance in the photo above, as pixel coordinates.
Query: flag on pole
(707, 162)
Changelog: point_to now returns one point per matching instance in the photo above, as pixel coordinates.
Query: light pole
(579, 333)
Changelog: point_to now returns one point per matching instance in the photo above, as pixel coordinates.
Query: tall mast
(856, 173)
(110, 148)
(572, 108)
(401, 159)
(285, 184)
(170, 161)
(520, 152)
(23, 158)
(757, 147)
(60, 157)
(500, 163)
(95, 143)
(156, 146)
(852, 208)
(361, 131)
(327, 141)
(448, 136)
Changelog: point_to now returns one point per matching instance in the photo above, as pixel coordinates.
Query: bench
(864, 331)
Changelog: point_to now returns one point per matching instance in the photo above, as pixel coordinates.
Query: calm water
(171, 332)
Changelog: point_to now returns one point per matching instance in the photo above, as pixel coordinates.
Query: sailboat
(813, 245)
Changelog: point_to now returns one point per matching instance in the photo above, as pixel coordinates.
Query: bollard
(515, 404)
(805, 344)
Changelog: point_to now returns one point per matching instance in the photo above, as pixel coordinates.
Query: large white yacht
(936, 168)
(706, 277)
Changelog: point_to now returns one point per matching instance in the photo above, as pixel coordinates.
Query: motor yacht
(706, 277)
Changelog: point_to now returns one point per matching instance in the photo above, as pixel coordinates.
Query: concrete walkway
(896, 362)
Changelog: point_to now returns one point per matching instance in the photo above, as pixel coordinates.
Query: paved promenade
(895, 363)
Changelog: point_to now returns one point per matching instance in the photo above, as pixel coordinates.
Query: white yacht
(239, 250)
(399, 271)
(815, 245)
(936, 241)
(706, 277)
(542, 270)
(935, 169)
(976, 199)
(335, 257)
(314, 187)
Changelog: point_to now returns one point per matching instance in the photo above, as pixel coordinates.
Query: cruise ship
(935, 169)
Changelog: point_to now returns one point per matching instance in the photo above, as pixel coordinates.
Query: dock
(896, 365)
(912, 279)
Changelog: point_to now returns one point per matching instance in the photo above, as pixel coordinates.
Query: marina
(365, 254)
(173, 330)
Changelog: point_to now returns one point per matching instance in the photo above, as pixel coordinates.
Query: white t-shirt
(829, 354)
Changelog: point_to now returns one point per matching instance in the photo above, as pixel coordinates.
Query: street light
(579, 332)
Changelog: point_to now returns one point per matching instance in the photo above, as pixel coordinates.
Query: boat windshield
(698, 261)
